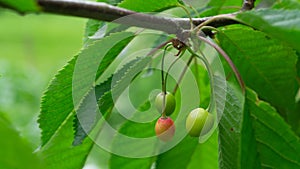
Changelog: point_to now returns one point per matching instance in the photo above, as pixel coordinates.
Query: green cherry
(199, 121)
(170, 103)
(165, 129)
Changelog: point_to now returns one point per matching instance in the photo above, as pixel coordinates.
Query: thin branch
(109, 13)
(105, 12)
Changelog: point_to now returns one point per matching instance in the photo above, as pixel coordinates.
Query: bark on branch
(109, 13)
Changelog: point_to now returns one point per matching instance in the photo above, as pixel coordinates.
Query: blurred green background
(32, 49)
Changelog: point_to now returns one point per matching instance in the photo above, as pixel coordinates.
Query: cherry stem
(228, 60)
(182, 74)
(212, 19)
(172, 64)
(196, 71)
(211, 82)
(163, 82)
(188, 13)
(210, 28)
(210, 73)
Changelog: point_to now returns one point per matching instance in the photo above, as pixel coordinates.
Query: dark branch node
(248, 5)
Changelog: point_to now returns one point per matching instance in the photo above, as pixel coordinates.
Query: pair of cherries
(199, 121)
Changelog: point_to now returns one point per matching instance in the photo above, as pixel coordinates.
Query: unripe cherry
(199, 121)
(170, 103)
(165, 128)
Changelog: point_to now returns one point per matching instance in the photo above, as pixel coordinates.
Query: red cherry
(165, 129)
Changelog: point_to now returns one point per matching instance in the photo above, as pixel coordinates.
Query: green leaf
(215, 7)
(249, 155)
(281, 24)
(148, 6)
(187, 147)
(86, 115)
(297, 118)
(121, 81)
(92, 27)
(59, 152)
(57, 103)
(277, 145)
(132, 129)
(256, 137)
(20, 5)
(230, 129)
(15, 151)
(60, 143)
(87, 112)
(265, 64)
(203, 155)
(136, 131)
(298, 65)
(129, 163)
(52, 114)
(287, 4)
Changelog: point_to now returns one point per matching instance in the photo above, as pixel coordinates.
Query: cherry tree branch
(109, 13)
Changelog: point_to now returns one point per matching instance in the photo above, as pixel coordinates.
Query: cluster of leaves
(257, 130)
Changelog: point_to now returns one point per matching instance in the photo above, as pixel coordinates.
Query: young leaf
(57, 103)
(265, 64)
(15, 151)
(281, 24)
